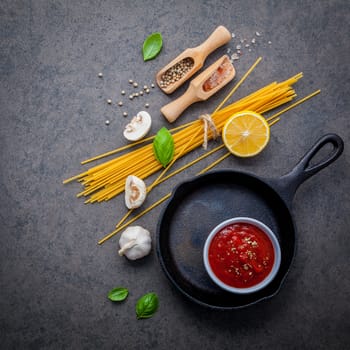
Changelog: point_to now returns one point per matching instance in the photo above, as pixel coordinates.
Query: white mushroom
(135, 192)
(135, 243)
(138, 127)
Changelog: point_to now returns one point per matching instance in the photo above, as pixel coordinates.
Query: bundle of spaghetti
(271, 120)
(107, 180)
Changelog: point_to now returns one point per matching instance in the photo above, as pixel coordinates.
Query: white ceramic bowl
(267, 279)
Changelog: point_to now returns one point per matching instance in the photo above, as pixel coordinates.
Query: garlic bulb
(138, 127)
(135, 192)
(135, 243)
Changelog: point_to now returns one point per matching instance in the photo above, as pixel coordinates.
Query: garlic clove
(138, 127)
(135, 192)
(135, 243)
(130, 244)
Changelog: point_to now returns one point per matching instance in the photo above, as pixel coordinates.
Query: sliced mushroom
(138, 127)
(135, 192)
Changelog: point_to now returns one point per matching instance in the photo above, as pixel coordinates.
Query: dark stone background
(54, 278)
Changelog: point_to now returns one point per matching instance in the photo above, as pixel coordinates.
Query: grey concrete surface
(54, 278)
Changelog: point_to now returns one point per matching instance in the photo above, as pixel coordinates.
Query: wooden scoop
(202, 87)
(195, 57)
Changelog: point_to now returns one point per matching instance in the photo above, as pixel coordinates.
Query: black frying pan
(198, 205)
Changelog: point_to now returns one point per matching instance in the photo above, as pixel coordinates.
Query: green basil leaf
(152, 46)
(118, 294)
(147, 305)
(163, 146)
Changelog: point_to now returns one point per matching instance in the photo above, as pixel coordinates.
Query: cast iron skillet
(198, 205)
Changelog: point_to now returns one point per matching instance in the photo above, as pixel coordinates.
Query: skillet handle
(289, 183)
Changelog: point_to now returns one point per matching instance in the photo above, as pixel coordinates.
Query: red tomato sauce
(241, 255)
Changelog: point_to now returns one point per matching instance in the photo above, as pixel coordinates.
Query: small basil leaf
(147, 305)
(163, 146)
(152, 46)
(118, 294)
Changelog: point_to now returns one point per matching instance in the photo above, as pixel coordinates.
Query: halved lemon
(246, 134)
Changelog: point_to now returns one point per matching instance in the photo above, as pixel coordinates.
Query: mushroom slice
(138, 127)
(135, 192)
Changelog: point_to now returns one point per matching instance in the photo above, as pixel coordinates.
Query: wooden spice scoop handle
(219, 73)
(174, 109)
(219, 37)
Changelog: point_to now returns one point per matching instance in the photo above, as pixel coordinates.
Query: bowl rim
(275, 245)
